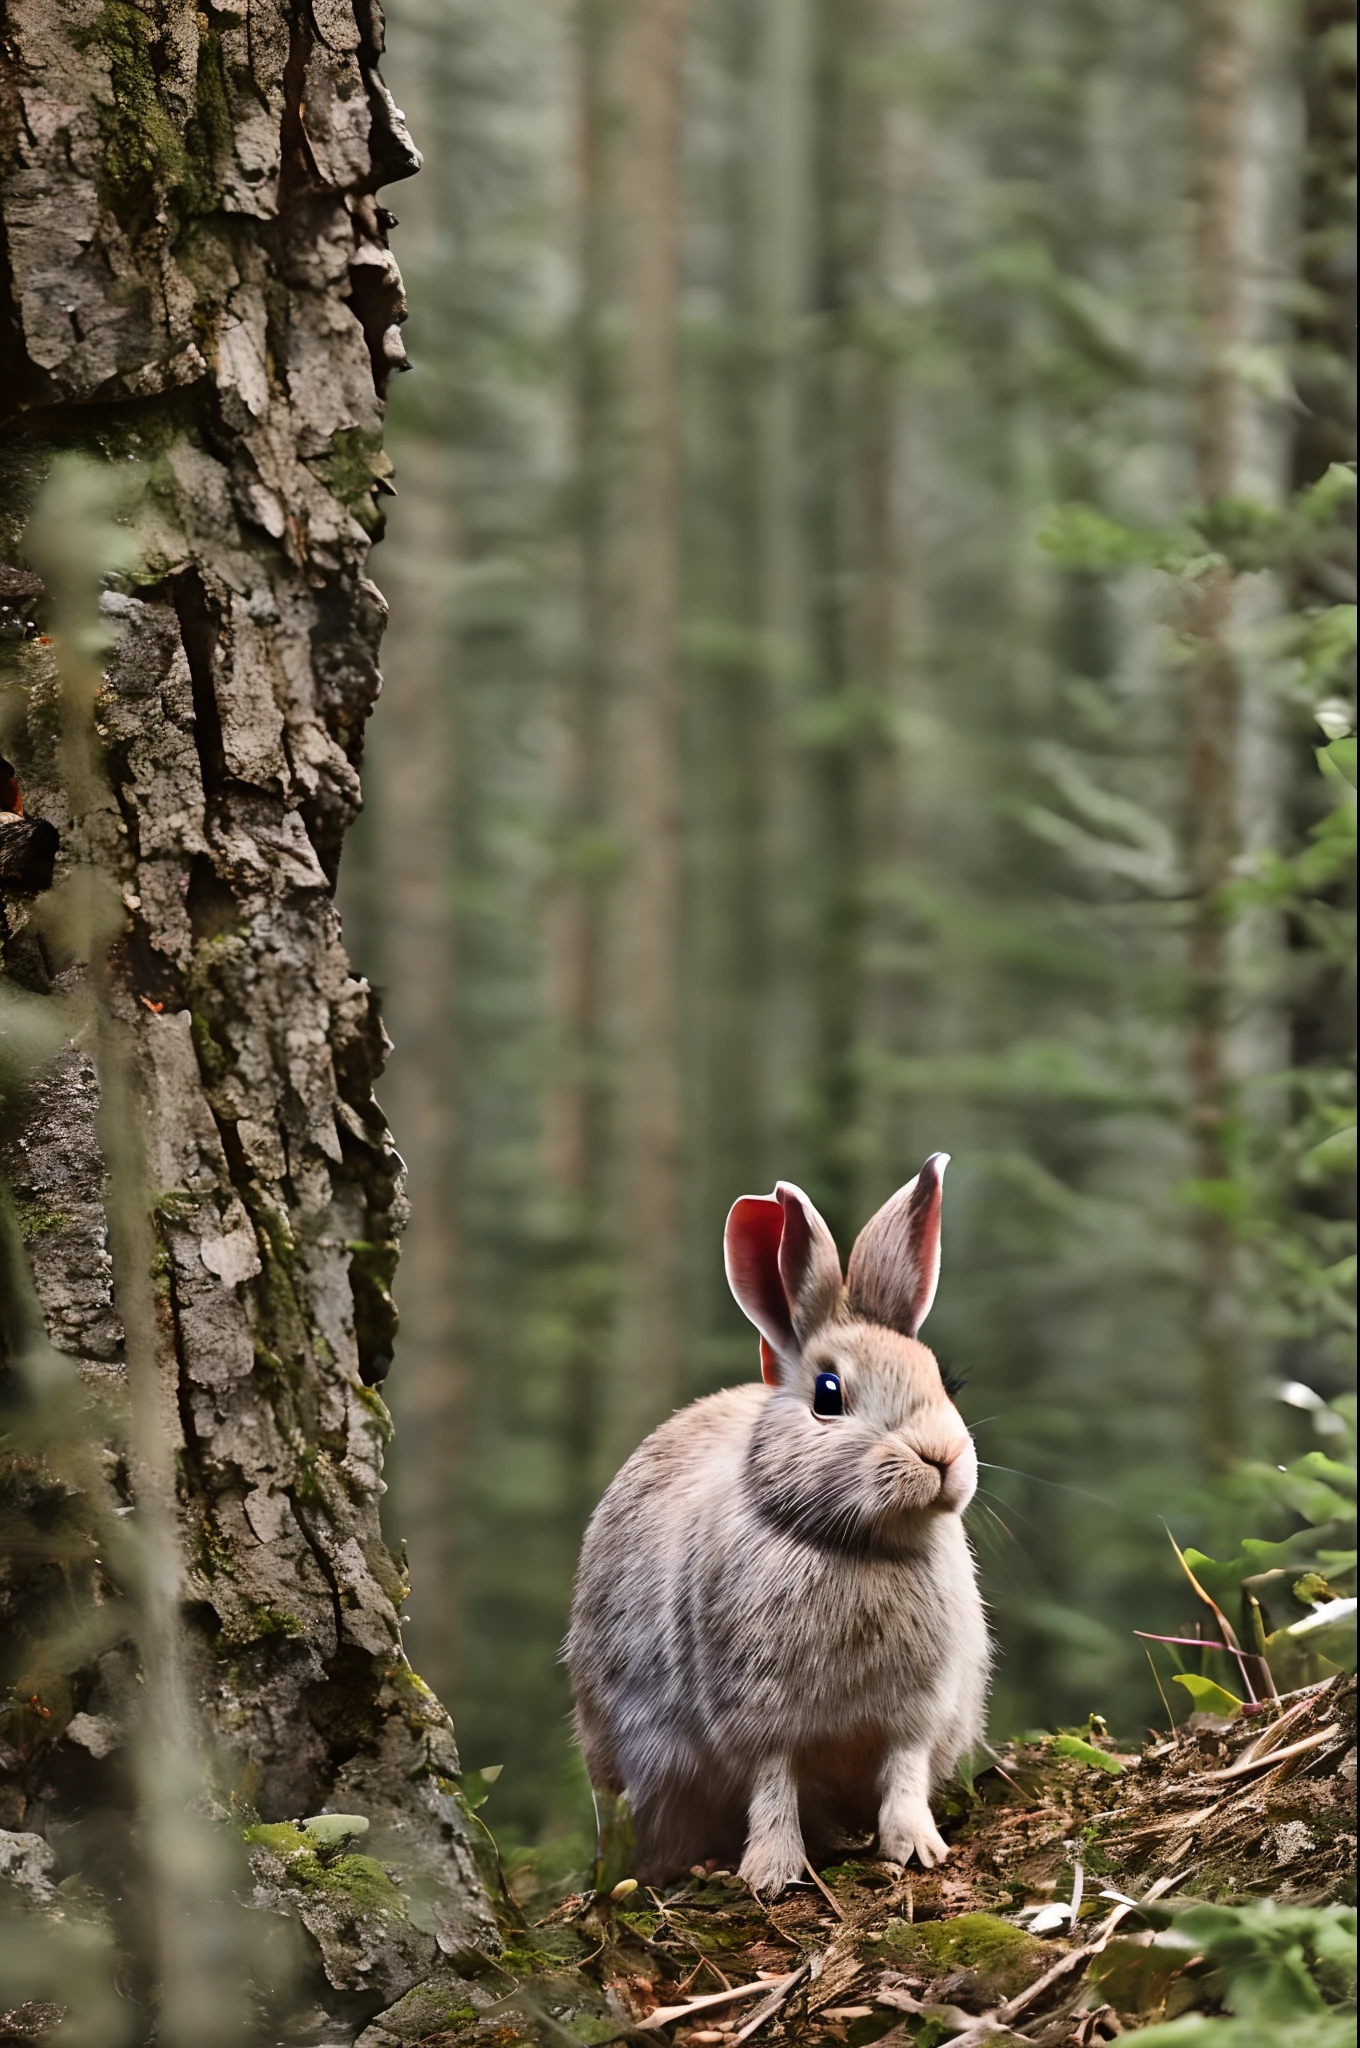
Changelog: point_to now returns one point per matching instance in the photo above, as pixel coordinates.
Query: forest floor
(980, 1950)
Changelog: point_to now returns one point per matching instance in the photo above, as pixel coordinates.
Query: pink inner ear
(769, 1365)
(755, 1225)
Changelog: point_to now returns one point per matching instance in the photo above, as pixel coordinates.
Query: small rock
(27, 1860)
(34, 2020)
(95, 1732)
(1292, 1838)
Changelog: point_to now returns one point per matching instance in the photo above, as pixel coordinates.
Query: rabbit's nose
(941, 1456)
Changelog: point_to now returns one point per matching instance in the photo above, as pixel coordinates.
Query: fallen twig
(772, 2005)
(1271, 1734)
(1162, 1827)
(1272, 1757)
(825, 1891)
(972, 2031)
(664, 2014)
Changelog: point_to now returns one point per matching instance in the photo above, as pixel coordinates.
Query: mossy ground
(993, 1958)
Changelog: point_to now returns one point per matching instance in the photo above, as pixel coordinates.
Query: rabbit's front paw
(912, 1833)
(772, 1862)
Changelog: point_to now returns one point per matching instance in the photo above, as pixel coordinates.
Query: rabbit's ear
(755, 1224)
(895, 1266)
(809, 1264)
(783, 1268)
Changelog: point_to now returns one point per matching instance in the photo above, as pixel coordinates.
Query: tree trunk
(199, 290)
(1324, 355)
(843, 500)
(730, 729)
(883, 581)
(574, 1103)
(646, 964)
(1221, 106)
(1321, 989)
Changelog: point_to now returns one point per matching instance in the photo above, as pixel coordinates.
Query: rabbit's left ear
(784, 1270)
(895, 1266)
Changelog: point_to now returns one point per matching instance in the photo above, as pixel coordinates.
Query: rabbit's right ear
(895, 1263)
(783, 1268)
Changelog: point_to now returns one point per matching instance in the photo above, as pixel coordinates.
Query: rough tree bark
(197, 279)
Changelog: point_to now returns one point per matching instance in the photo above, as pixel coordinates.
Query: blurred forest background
(871, 670)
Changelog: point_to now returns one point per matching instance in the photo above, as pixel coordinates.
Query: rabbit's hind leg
(681, 1821)
(774, 1840)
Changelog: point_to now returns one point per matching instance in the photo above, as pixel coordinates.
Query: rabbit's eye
(827, 1398)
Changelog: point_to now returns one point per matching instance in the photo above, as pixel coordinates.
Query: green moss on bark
(36, 1219)
(354, 463)
(378, 1409)
(145, 146)
(259, 1622)
(142, 145)
(357, 1884)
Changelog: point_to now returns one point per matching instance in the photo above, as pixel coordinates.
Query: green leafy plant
(1285, 1610)
(1286, 1974)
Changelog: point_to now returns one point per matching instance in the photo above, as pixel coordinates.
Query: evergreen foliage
(944, 579)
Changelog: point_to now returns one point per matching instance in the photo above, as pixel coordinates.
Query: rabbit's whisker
(1000, 1520)
(1007, 1504)
(1058, 1485)
(1005, 1553)
(1002, 1554)
(1002, 1524)
(987, 1537)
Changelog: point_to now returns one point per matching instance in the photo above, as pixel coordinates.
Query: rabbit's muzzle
(915, 1476)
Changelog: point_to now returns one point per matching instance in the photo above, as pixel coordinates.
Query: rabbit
(776, 1623)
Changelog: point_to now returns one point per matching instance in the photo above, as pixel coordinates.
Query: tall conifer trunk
(1220, 114)
(730, 729)
(882, 581)
(1321, 1013)
(850, 505)
(574, 1121)
(198, 290)
(834, 873)
(648, 60)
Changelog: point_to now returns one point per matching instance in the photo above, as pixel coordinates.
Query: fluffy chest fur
(720, 1630)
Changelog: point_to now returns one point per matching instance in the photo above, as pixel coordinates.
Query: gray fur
(777, 1632)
